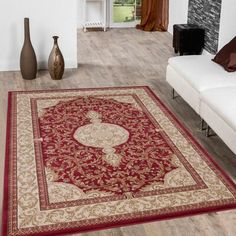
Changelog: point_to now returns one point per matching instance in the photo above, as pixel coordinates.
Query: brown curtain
(155, 15)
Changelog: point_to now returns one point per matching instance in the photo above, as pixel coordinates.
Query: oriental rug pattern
(88, 159)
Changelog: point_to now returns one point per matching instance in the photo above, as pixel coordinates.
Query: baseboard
(14, 65)
(71, 64)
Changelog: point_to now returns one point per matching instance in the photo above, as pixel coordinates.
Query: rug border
(82, 89)
(6, 167)
(120, 223)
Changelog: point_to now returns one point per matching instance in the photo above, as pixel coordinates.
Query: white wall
(47, 18)
(227, 22)
(178, 13)
(80, 14)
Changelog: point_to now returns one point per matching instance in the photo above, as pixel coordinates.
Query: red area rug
(88, 159)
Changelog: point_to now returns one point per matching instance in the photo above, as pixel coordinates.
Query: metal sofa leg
(203, 123)
(173, 94)
(208, 129)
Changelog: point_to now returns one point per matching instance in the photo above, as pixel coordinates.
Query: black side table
(188, 38)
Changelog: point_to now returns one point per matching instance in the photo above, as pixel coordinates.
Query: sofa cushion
(223, 56)
(201, 72)
(223, 102)
(232, 62)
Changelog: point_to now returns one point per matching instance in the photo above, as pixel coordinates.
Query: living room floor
(128, 57)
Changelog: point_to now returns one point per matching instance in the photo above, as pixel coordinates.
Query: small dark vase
(56, 64)
(28, 61)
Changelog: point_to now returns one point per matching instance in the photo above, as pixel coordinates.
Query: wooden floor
(123, 57)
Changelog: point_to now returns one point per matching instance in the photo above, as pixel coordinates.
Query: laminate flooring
(127, 57)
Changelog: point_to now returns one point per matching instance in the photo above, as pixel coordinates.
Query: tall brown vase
(56, 64)
(28, 61)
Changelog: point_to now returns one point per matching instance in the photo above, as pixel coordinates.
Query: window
(125, 12)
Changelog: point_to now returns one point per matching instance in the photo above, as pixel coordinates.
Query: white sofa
(209, 90)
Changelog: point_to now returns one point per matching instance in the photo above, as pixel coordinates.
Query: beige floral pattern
(33, 194)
